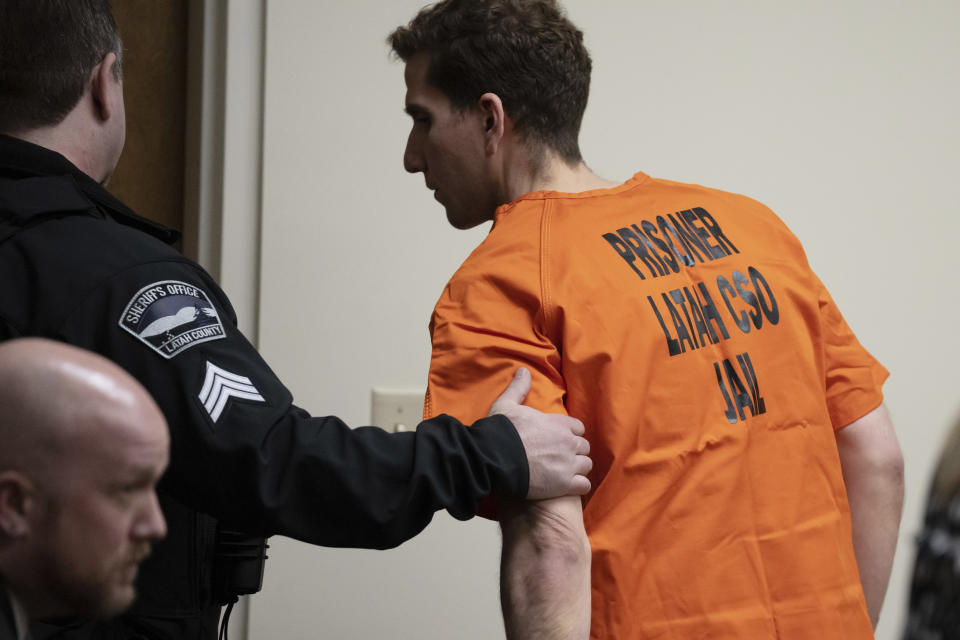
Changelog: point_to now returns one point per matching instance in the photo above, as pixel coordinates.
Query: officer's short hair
(48, 49)
(525, 51)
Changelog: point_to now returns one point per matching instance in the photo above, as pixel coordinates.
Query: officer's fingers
(583, 465)
(577, 427)
(583, 446)
(515, 393)
(580, 486)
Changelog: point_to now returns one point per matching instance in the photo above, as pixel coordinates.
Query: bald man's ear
(494, 121)
(16, 503)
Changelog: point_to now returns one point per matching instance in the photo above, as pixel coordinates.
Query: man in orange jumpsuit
(747, 480)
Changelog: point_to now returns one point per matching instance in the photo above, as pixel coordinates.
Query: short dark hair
(48, 49)
(525, 51)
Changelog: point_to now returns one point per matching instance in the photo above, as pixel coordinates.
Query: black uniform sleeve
(242, 452)
(7, 332)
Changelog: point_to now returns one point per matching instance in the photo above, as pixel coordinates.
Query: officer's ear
(106, 87)
(16, 504)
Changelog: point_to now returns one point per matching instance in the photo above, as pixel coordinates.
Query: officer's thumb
(515, 393)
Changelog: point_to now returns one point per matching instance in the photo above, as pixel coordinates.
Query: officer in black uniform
(77, 265)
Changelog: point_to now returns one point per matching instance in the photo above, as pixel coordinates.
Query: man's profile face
(100, 524)
(447, 147)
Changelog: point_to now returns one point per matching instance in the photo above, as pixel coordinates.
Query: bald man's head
(84, 445)
(50, 394)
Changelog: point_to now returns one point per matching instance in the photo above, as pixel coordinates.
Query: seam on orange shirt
(427, 403)
(545, 300)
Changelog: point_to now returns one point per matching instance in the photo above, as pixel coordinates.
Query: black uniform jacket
(8, 624)
(84, 269)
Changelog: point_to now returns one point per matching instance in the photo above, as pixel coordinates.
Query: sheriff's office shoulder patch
(171, 316)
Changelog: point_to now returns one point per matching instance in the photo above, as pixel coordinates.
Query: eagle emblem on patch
(171, 316)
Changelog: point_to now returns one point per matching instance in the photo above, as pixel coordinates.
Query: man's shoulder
(651, 194)
(733, 203)
(80, 252)
(658, 211)
(697, 188)
(50, 268)
(510, 253)
(504, 269)
(93, 241)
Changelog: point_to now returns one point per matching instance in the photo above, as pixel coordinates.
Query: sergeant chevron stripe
(220, 385)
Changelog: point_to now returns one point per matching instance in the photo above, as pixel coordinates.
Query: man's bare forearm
(873, 474)
(545, 571)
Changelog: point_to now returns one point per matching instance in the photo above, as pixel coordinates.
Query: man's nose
(412, 161)
(151, 524)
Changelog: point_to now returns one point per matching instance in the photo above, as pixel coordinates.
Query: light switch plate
(396, 409)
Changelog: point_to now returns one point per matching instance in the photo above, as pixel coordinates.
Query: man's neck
(553, 174)
(71, 139)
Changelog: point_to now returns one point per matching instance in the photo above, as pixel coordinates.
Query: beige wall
(840, 116)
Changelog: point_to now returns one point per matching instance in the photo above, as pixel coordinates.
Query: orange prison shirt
(710, 366)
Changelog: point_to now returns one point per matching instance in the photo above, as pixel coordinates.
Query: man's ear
(494, 121)
(16, 503)
(105, 87)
